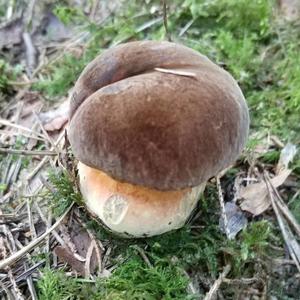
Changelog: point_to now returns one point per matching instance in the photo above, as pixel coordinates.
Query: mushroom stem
(132, 210)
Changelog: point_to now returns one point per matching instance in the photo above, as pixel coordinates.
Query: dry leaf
(11, 33)
(78, 246)
(236, 220)
(55, 119)
(256, 198)
(68, 257)
(286, 156)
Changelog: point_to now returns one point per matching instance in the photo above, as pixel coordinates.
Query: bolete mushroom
(150, 123)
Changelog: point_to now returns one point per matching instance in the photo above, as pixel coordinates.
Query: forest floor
(50, 248)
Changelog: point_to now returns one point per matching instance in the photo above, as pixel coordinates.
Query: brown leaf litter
(255, 196)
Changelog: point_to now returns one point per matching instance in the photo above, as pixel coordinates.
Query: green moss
(270, 157)
(135, 280)
(200, 249)
(132, 280)
(7, 74)
(235, 16)
(295, 208)
(64, 193)
(55, 285)
(69, 15)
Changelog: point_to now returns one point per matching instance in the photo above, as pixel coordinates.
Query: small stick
(294, 197)
(10, 124)
(11, 245)
(17, 255)
(277, 141)
(45, 132)
(166, 20)
(106, 256)
(7, 291)
(30, 220)
(213, 290)
(27, 152)
(45, 159)
(282, 261)
(144, 256)
(31, 53)
(221, 199)
(54, 232)
(22, 83)
(14, 171)
(242, 281)
(185, 28)
(17, 293)
(9, 133)
(30, 284)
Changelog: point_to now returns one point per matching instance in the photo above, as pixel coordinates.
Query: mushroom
(150, 123)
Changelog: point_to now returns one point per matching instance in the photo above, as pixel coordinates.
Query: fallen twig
(30, 284)
(242, 281)
(143, 255)
(213, 290)
(27, 152)
(30, 220)
(31, 53)
(222, 204)
(54, 232)
(166, 20)
(185, 28)
(16, 291)
(45, 132)
(27, 272)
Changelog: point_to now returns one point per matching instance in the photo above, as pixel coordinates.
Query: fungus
(150, 123)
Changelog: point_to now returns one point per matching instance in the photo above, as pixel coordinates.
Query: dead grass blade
(176, 72)
(17, 255)
(87, 269)
(20, 127)
(27, 152)
(285, 211)
(291, 242)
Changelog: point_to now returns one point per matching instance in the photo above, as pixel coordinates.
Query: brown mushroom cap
(155, 129)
